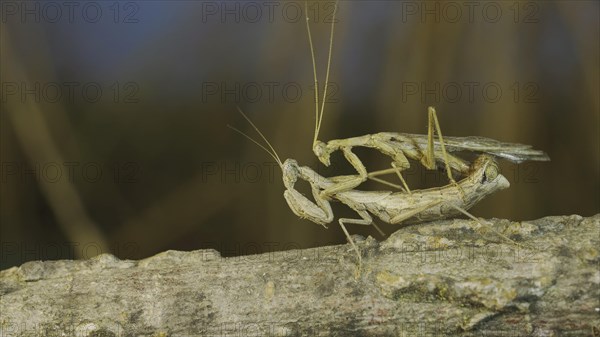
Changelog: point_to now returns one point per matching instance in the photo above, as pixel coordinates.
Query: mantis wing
(514, 152)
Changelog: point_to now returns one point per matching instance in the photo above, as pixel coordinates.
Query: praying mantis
(392, 207)
(403, 146)
(480, 178)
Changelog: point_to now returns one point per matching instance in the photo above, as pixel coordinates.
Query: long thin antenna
(261, 135)
(335, 7)
(257, 143)
(314, 64)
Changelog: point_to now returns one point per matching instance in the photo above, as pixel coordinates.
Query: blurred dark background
(114, 114)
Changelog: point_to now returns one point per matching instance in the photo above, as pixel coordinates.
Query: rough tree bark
(435, 279)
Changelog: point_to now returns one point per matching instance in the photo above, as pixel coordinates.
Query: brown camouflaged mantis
(403, 146)
(392, 207)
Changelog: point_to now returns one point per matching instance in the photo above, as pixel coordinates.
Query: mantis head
(322, 152)
(487, 175)
(291, 171)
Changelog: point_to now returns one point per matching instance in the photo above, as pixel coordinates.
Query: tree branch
(434, 279)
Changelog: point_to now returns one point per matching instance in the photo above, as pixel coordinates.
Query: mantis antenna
(319, 115)
(312, 54)
(272, 152)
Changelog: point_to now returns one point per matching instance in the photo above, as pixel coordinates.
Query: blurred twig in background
(37, 143)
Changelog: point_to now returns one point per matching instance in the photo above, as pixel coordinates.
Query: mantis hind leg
(433, 126)
(366, 219)
(486, 226)
(399, 164)
(395, 169)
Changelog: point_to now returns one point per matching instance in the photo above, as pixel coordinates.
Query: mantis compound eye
(490, 173)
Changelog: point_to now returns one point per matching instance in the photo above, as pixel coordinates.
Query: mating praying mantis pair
(480, 178)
